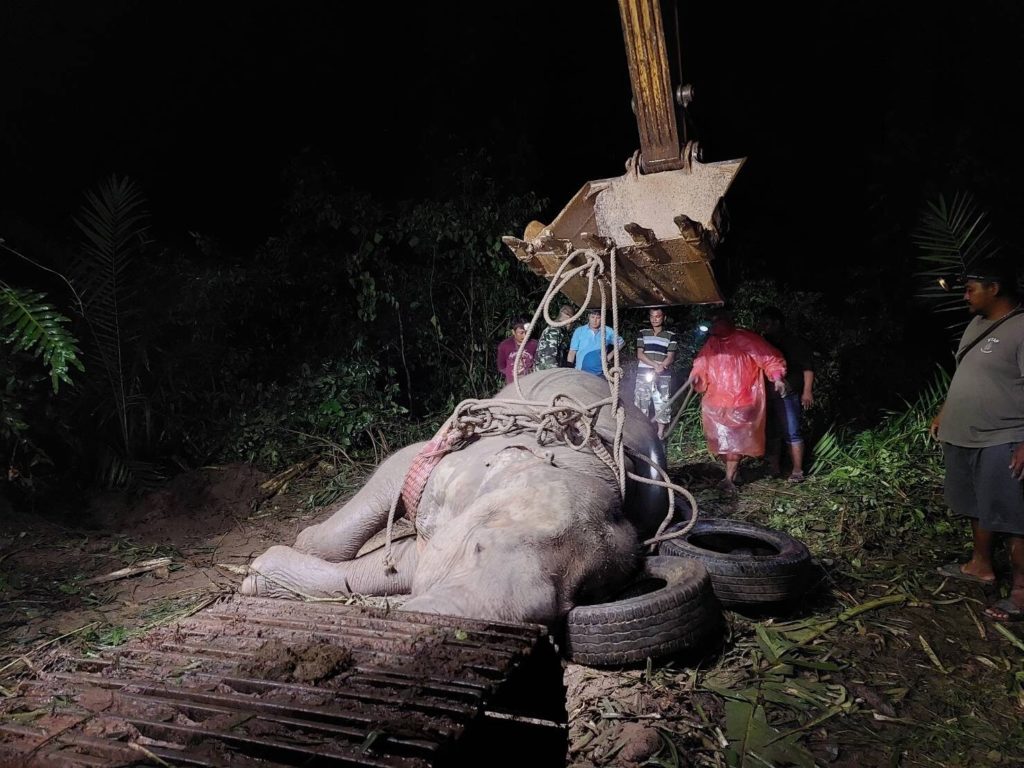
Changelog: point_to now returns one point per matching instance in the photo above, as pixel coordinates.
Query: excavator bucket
(664, 218)
(664, 226)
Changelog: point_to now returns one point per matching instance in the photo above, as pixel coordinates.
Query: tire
(679, 614)
(749, 564)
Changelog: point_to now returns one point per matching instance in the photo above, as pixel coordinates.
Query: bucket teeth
(597, 242)
(523, 250)
(641, 235)
(692, 231)
(556, 245)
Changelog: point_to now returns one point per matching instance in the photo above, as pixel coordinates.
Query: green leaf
(772, 645)
(29, 324)
(753, 742)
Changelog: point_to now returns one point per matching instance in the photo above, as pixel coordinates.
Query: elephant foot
(283, 572)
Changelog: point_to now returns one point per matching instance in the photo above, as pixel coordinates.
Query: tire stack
(750, 566)
(674, 605)
(670, 609)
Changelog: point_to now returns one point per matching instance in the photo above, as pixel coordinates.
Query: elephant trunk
(646, 504)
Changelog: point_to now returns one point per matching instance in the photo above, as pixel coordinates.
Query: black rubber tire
(776, 572)
(679, 616)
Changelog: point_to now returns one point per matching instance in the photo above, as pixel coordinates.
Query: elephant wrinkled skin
(506, 529)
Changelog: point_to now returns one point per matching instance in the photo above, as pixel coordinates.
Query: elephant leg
(286, 573)
(340, 536)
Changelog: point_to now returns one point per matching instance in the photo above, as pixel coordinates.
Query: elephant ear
(402, 528)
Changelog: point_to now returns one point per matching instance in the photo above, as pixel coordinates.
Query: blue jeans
(784, 419)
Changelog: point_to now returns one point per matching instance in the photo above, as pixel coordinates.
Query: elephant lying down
(506, 529)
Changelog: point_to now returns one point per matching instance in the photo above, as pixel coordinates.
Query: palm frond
(951, 237)
(900, 441)
(829, 453)
(117, 471)
(29, 324)
(114, 223)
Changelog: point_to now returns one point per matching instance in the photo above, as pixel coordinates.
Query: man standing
(730, 370)
(508, 348)
(588, 346)
(981, 427)
(655, 352)
(554, 342)
(785, 411)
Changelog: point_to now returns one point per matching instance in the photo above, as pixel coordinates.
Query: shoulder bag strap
(960, 355)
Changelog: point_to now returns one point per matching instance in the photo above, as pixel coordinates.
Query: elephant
(506, 529)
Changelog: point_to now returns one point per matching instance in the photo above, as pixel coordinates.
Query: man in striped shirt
(655, 350)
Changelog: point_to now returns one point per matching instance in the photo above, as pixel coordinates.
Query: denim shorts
(979, 485)
(784, 419)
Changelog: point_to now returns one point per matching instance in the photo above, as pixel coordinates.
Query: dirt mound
(192, 505)
(310, 663)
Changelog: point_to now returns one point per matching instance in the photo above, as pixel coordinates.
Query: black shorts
(979, 485)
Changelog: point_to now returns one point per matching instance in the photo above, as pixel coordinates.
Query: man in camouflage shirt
(554, 343)
(655, 350)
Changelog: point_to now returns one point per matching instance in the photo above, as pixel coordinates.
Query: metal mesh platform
(258, 682)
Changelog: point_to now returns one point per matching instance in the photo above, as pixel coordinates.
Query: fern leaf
(29, 324)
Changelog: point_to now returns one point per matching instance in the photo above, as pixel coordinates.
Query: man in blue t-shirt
(587, 345)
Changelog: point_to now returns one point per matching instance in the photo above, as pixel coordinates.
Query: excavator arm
(653, 102)
(663, 219)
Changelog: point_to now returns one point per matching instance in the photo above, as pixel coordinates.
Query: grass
(883, 662)
(916, 677)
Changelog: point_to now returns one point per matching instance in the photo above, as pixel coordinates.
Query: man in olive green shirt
(981, 427)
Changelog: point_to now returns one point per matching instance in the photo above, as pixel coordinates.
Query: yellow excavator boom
(664, 217)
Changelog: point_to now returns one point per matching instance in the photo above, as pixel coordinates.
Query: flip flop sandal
(954, 571)
(796, 477)
(1007, 606)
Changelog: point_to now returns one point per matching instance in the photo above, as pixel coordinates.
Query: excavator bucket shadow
(664, 226)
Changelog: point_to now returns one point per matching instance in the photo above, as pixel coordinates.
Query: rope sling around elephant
(563, 419)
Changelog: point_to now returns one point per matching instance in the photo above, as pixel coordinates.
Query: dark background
(305, 167)
(851, 114)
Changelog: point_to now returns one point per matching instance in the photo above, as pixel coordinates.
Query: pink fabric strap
(423, 464)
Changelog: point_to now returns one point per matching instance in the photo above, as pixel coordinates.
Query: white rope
(564, 419)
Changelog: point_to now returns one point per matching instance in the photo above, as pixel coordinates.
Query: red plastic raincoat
(728, 370)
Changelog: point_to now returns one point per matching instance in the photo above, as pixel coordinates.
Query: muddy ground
(881, 664)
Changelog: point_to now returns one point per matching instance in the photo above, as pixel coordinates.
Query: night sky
(852, 115)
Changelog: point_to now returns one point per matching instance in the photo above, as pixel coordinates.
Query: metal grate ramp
(260, 682)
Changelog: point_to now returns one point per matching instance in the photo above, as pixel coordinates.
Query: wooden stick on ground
(133, 570)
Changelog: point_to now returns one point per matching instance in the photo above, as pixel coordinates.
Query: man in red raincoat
(728, 371)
